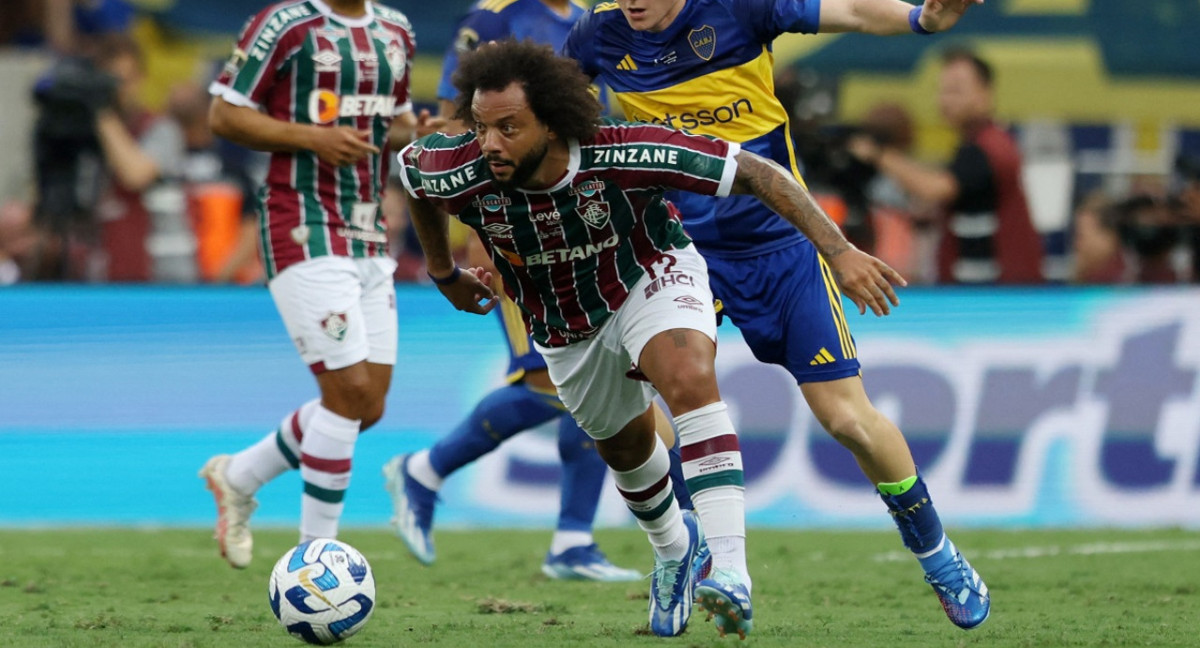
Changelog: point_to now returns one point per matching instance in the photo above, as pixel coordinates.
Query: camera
(66, 150)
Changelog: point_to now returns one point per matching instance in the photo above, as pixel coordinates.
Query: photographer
(110, 203)
(987, 233)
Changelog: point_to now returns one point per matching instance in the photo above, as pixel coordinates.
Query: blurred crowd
(122, 192)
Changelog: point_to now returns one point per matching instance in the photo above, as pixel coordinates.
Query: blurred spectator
(987, 233)
(219, 181)
(1187, 192)
(1097, 256)
(905, 233)
(17, 241)
(145, 232)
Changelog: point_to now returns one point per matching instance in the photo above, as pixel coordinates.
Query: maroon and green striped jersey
(301, 62)
(570, 254)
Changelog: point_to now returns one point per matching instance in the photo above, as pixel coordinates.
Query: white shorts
(593, 376)
(339, 310)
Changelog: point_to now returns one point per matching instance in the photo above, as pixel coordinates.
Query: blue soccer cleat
(726, 600)
(412, 508)
(702, 563)
(959, 587)
(671, 585)
(586, 563)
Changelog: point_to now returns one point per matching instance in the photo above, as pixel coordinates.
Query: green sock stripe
(656, 512)
(715, 480)
(896, 488)
(324, 494)
(291, 457)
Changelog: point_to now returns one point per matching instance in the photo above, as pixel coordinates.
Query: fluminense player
(706, 66)
(529, 399)
(323, 86)
(613, 292)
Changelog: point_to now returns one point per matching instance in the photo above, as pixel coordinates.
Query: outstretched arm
(867, 281)
(464, 289)
(890, 17)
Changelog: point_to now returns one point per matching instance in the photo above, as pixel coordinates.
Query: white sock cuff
(647, 474)
(333, 425)
(421, 469)
(704, 423)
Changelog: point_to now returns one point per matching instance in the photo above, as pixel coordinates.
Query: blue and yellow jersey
(522, 357)
(710, 72)
(492, 20)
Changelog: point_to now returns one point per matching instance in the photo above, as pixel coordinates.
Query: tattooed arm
(867, 281)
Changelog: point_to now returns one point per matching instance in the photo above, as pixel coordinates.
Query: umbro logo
(689, 300)
(714, 460)
(498, 230)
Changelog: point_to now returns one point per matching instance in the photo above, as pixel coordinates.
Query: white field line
(1088, 549)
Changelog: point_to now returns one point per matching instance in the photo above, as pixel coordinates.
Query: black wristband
(446, 281)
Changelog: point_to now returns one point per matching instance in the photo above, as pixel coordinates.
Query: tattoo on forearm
(777, 189)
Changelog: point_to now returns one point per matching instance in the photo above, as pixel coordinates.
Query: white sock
(564, 540)
(712, 464)
(647, 493)
(325, 462)
(260, 463)
(422, 470)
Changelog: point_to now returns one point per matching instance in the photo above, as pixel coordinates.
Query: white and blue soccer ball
(322, 591)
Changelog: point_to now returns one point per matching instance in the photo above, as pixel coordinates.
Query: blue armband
(446, 281)
(914, 21)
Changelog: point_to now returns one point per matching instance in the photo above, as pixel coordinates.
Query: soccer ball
(322, 591)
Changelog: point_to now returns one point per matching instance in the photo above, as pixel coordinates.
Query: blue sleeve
(479, 26)
(579, 44)
(770, 18)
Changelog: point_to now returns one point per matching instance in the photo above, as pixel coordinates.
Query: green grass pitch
(168, 588)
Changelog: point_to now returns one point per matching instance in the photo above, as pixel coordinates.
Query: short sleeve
(478, 26)
(578, 44)
(257, 58)
(652, 156)
(409, 159)
(767, 19)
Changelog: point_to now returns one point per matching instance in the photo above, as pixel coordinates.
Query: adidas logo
(627, 64)
(822, 357)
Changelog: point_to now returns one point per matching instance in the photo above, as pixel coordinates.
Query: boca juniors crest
(703, 41)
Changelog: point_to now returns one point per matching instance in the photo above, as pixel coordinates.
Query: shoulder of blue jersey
(495, 6)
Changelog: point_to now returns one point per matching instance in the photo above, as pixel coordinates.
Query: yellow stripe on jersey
(735, 103)
(495, 6)
(514, 326)
(606, 6)
(835, 307)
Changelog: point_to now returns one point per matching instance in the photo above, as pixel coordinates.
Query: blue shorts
(789, 311)
(522, 357)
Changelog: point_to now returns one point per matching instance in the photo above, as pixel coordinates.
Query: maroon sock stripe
(715, 445)
(334, 466)
(643, 495)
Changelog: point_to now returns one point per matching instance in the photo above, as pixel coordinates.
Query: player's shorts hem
(826, 375)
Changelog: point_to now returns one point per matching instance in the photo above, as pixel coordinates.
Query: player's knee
(690, 386)
(848, 429)
(354, 398)
(373, 415)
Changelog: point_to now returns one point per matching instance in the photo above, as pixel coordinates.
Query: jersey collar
(361, 21)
